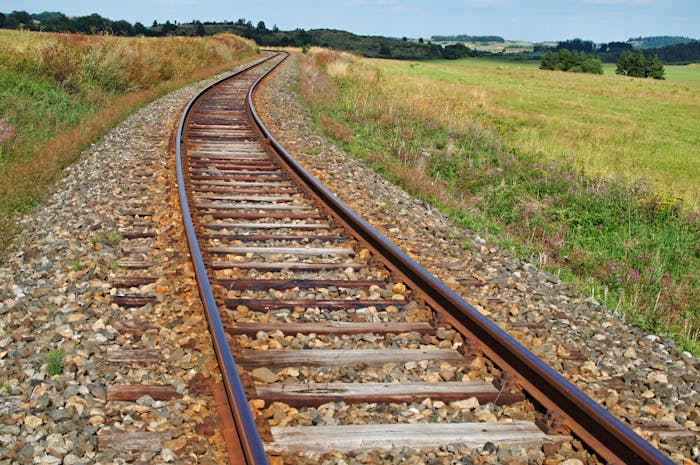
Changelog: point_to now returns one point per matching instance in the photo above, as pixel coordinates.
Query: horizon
(600, 21)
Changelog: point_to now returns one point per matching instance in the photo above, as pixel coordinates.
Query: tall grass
(629, 244)
(59, 92)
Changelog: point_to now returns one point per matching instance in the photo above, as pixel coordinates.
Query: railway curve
(290, 246)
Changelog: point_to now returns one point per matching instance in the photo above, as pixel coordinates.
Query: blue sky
(536, 20)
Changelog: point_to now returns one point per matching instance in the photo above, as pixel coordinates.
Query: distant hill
(659, 41)
(369, 46)
(467, 38)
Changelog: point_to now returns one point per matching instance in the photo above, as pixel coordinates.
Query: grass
(547, 163)
(60, 92)
(108, 237)
(680, 73)
(609, 124)
(54, 362)
(687, 73)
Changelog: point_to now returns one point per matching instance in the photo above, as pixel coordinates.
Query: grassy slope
(59, 92)
(449, 133)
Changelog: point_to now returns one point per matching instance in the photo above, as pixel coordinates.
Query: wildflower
(6, 131)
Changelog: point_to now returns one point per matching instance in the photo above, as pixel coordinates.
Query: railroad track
(327, 335)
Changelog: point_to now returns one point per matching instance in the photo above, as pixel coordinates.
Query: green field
(687, 73)
(610, 124)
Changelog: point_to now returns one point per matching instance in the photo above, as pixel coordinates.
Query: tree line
(677, 49)
(58, 22)
(370, 46)
(681, 51)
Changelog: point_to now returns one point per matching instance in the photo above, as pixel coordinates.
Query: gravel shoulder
(641, 378)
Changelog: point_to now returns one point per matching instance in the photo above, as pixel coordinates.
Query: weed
(312, 150)
(336, 129)
(76, 265)
(54, 362)
(6, 388)
(108, 237)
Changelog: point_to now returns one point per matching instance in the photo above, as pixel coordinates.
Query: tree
(93, 24)
(261, 27)
(54, 22)
(169, 28)
(122, 28)
(631, 64)
(456, 51)
(576, 45)
(549, 61)
(635, 64)
(655, 69)
(18, 19)
(140, 29)
(199, 29)
(575, 62)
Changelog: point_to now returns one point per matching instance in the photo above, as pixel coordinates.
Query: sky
(530, 20)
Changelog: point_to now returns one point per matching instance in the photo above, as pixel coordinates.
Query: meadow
(610, 125)
(591, 177)
(60, 92)
(685, 73)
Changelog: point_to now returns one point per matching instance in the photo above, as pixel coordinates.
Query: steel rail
(250, 442)
(611, 439)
